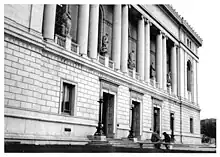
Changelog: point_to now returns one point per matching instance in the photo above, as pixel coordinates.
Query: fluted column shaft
(140, 48)
(49, 21)
(93, 30)
(159, 59)
(116, 36)
(164, 66)
(124, 39)
(147, 52)
(174, 69)
(83, 27)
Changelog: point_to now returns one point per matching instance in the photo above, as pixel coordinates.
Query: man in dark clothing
(156, 138)
(166, 139)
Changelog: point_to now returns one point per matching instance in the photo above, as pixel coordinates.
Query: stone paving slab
(27, 148)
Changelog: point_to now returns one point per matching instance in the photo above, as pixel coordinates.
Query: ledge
(54, 118)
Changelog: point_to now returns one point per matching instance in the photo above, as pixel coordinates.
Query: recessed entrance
(136, 118)
(172, 124)
(156, 119)
(108, 114)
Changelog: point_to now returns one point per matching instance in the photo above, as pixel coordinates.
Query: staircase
(123, 143)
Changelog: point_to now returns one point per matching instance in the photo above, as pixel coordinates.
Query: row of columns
(87, 35)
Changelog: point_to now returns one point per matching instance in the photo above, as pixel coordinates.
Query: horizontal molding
(53, 118)
(14, 136)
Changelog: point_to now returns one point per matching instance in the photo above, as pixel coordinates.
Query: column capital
(160, 32)
(175, 45)
(164, 35)
(129, 6)
(147, 21)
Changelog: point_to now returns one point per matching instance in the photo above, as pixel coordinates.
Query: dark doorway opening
(172, 125)
(108, 114)
(136, 119)
(156, 120)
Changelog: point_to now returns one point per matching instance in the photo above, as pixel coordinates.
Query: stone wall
(33, 74)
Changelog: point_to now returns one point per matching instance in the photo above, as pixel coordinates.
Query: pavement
(31, 148)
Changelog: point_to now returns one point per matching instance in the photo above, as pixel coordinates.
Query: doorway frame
(157, 106)
(115, 107)
(141, 114)
(172, 112)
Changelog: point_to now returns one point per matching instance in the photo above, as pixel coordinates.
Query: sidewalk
(27, 148)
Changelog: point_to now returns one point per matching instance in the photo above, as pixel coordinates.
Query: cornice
(153, 20)
(187, 50)
(183, 22)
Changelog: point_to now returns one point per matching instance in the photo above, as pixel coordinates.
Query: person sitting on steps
(155, 137)
(166, 139)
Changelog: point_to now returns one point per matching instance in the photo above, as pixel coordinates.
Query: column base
(125, 73)
(99, 138)
(83, 55)
(119, 71)
(95, 60)
(134, 139)
(49, 40)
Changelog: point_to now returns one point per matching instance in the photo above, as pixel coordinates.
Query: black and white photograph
(111, 78)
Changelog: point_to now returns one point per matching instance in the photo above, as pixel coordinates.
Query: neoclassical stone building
(128, 69)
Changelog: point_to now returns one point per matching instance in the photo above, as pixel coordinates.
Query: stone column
(49, 21)
(140, 48)
(181, 73)
(147, 52)
(164, 64)
(174, 69)
(159, 59)
(83, 27)
(124, 39)
(93, 30)
(116, 36)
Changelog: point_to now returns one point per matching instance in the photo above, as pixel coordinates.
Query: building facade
(130, 68)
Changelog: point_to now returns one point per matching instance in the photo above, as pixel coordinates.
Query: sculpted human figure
(152, 70)
(104, 48)
(169, 79)
(131, 60)
(66, 22)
